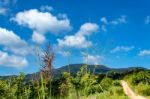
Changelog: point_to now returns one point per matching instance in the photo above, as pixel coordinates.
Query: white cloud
(42, 22)
(9, 38)
(12, 42)
(92, 59)
(38, 38)
(64, 53)
(78, 40)
(13, 49)
(147, 20)
(122, 49)
(22, 50)
(12, 60)
(88, 29)
(144, 53)
(120, 20)
(46, 8)
(74, 41)
(105, 22)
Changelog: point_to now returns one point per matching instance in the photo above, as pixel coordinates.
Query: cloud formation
(105, 22)
(38, 38)
(41, 23)
(144, 53)
(78, 40)
(120, 20)
(9, 38)
(91, 59)
(122, 49)
(12, 60)
(13, 49)
(12, 42)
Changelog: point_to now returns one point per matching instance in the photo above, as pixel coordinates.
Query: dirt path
(128, 91)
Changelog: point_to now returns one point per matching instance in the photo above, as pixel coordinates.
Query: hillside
(74, 68)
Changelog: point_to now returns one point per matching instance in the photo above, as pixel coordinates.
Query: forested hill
(74, 68)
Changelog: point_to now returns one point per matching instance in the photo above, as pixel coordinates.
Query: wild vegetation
(140, 82)
(85, 84)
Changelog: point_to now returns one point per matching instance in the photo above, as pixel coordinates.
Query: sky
(114, 33)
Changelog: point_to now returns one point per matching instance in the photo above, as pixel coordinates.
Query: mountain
(74, 68)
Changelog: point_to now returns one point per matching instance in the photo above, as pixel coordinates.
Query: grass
(141, 89)
(140, 83)
(114, 92)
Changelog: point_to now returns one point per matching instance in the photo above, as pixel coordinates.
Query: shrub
(116, 83)
(106, 83)
(141, 77)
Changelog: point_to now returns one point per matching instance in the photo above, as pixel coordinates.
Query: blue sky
(114, 33)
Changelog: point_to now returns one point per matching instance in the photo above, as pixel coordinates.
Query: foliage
(82, 85)
(140, 82)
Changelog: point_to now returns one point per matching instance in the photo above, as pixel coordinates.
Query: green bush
(141, 77)
(140, 82)
(116, 83)
(3, 88)
(106, 83)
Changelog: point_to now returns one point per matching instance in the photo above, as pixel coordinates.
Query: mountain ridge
(74, 68)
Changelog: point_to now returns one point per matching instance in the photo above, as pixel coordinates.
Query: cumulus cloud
(88, 29)
(12, 42)
(22, 50)
(12, 60)
(13, 49)
(122, 49)
(9, 38)
(38, 38)
(144, 53)
(74, 41)
(42, 22)
(92, 59)
(78, 40)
